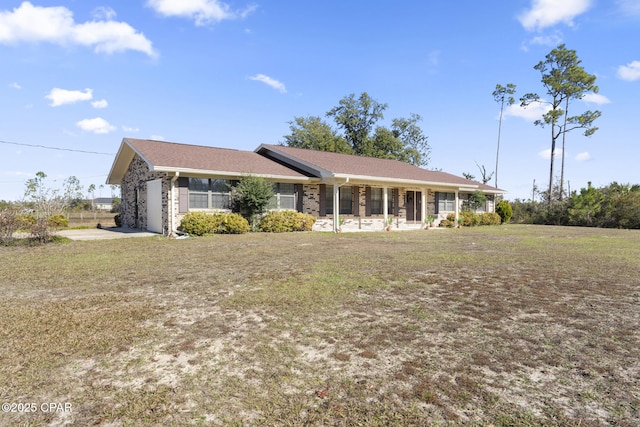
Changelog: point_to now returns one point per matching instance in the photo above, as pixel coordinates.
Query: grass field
(502, 326)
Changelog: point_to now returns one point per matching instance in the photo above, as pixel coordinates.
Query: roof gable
(173, 157)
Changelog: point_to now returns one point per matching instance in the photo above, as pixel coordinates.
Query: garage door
(154, 206)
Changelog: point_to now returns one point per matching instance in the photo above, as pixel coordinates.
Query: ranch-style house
(162, 181)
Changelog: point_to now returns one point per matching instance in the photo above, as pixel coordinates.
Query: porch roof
(329, 165)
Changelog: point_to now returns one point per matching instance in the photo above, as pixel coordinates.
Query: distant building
(103, 203)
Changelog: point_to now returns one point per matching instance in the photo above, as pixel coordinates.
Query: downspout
(172, 218)
(336, 205)
(457, 208)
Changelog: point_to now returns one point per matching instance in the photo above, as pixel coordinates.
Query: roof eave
(229, 174)
(405, 182)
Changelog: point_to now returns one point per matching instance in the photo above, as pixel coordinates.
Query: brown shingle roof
(169, 155)
(347, 164)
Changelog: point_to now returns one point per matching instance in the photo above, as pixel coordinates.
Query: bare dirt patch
(505, 326)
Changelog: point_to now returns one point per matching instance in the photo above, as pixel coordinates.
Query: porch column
(336, 208)
(385, 205)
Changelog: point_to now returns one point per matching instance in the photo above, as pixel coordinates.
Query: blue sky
(81, 75)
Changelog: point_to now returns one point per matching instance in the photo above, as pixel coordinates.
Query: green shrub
(118, 220)
(504, 210)
(203, 224)
(445, 223)
(25, 221)
(286, 221)
(469, 219)
(449, 222)
(232, 223)
(58, 221)
(307, 221)
(490, 218)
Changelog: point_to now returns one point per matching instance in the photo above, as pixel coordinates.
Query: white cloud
(582, 157)
(629, 7)
(29, 23)
(97, 125)
(130, 129)
(270, 82)
(546, 154)
(157, 138)
(100, 104)
(15, 85)
(596, 98)
(531, 113)
(202, 11)
(543, 40)
(630, 72)
(102, 12)
(62, 96)
(546, 13)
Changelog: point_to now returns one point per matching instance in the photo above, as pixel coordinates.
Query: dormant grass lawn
(502, 326)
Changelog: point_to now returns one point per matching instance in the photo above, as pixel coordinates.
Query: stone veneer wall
(133, 187)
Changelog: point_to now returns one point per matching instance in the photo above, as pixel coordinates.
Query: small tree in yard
(477, 200)
(9, 223)
(251, 196)
(504, 210)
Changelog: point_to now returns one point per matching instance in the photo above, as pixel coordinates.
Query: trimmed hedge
(490, 218)
(286, 221)
(204, 224)
(470, 219)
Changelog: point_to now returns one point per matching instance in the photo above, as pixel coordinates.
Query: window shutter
(299, 191)
(183, 195)
(323, 200)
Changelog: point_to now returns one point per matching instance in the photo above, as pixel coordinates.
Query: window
(284, 197)
(209, 193)
(345, 202)
(376, 201)
(446, 202)
(198, 193)
(220, 197)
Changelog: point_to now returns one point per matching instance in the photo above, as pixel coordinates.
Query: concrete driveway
(104, 233)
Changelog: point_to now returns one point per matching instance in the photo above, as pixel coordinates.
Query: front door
(154, 206)
(414, 206)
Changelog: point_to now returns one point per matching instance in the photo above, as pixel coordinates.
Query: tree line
(613, 206)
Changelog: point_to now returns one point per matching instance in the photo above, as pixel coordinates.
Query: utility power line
(56, 148)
